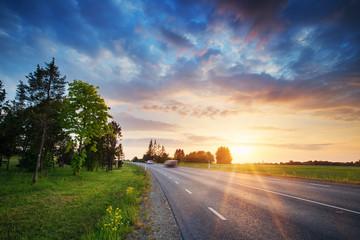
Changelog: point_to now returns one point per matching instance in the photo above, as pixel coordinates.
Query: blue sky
(274, 80)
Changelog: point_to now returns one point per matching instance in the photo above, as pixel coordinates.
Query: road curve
(223, 205)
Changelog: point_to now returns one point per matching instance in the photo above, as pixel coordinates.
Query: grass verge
(322, 173)
(63, 206)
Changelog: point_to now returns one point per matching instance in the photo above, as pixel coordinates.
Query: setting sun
(241, 151)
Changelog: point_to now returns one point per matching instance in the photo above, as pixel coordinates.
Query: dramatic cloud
(190, 110)
(131, 123)
(203, 60)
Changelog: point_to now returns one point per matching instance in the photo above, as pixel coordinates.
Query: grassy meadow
(94, 205)
(323, 173)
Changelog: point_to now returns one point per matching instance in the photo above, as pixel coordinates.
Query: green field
(63, 206)
(323, 173)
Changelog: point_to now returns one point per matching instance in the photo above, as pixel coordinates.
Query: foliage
(223, 155)
(117, 223)
(179, 155)
(199, 157)
(86, 116)
(32, 117)
(2, 95)
(155, 152)
(65, 207)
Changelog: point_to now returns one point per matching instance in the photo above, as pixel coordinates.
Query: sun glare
(241, 151)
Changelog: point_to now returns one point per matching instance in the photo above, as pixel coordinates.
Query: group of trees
(200, 157)
(323, 163)
(155, 152)
(179, 154)
(223, 156)
(42, 125)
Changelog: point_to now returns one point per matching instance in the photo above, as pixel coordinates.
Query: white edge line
(188, 191)
(217, 214)
(176, 182)
(290, 196)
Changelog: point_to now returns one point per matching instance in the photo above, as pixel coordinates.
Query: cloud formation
(131, 123)
(200, 59)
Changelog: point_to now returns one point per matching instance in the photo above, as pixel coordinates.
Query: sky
(273, 80)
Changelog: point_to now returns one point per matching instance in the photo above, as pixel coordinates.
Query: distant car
(171, 163)
(150, 162)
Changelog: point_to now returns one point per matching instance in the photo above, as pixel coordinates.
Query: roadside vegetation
(93, 205)
(340, 174)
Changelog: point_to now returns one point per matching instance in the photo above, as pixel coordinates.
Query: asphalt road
(223, 205)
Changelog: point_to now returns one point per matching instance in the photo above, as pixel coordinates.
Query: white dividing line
(290, 196)
(188, 191)
(169, 177)
(176, 182)
(320, 185)
(217, 214)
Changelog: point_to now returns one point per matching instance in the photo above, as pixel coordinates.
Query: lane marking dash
(320, 185)
(217, 214)
(176, 182)
(188, 191)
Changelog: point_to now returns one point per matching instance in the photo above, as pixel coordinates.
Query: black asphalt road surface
(222, 205)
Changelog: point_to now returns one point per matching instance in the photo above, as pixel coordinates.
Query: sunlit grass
(63, 206)
(325, 173)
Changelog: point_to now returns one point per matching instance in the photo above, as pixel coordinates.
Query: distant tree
(179, 154)
(199, 157)
(86, 119)
(155, 152)
(110, 144)
(162, 155)
(135, 159)
(120, 155)
(150, 153)
(223, 155)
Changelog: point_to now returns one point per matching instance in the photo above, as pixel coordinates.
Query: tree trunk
(40, 151)
(42, 160)
(7, 167)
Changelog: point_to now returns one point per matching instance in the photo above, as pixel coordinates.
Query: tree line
(44, 127)
(157, 153)
(322, 163)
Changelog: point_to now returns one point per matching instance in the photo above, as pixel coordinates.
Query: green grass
(323, 173)
(63, 206)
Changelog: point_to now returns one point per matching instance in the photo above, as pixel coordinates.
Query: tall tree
(179, 154)
(223, 155)
(86, 119)
(120, 155)
(2, 95)
(2, 132)
(45, 88)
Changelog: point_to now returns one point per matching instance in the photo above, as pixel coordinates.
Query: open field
(63, 206)
(323, 173)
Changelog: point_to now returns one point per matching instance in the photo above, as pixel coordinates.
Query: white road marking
(290, 196)
(188, 191)
(176, 182)
(275, 179)
(217, 214)
(169, 177)
(320, 185)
